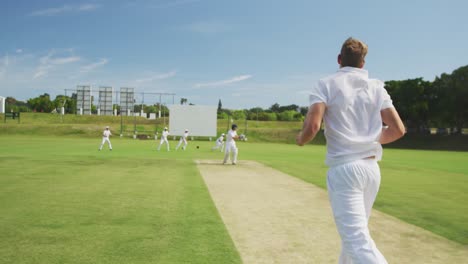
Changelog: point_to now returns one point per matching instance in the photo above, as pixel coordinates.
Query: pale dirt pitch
(275, 218)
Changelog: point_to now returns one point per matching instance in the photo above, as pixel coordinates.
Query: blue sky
(246, 53)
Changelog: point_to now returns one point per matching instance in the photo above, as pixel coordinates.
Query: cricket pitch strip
(276, 218)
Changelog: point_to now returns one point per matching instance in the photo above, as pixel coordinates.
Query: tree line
(441, 103)
(42, 103)
(275, 113)
(421, 104)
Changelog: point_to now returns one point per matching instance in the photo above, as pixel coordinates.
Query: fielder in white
(353, 108)
(105, 138)
(183, 139)
(219, 143)
(164, 136)
(231, 138)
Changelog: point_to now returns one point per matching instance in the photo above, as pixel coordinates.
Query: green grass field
(62, 201)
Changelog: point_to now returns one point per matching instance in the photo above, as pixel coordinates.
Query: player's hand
(299, 141)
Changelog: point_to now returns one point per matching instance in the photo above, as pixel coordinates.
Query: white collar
(355, 70)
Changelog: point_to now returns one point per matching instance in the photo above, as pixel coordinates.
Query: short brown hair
(353, 53)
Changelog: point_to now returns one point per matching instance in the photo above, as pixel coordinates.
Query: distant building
(2, 104)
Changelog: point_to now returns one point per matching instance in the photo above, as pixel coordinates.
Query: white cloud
(19, 51)
(93, 66)
(87, 7)
(51, 11)
(224, 82)
(159, 76)
(64, 9)
(41, 71)
(175, 3)
(64, 60)
(49, 62)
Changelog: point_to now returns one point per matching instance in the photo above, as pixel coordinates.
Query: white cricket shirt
(106, 133)
(230, 138)
(353, 123)
(164, 135)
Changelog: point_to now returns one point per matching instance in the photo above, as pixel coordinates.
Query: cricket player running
(164, 136)
(105, 138)
(231, 145)
(183, 139)
(353, 108)
(219, 143)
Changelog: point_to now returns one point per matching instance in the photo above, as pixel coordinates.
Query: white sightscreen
(83, 99)
(127, 100)
(105, 101)
(2, 105)
(199, 120)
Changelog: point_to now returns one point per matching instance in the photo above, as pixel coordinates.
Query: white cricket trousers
(219, 145)
(230, 148)
(352, 189)
(104, 140)
(180, 143)
(163, 140)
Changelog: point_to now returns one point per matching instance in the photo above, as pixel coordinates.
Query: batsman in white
(231, 145)
(183, 139)
(164, 136)
(219, 143)
(353, 107)
(105, 138)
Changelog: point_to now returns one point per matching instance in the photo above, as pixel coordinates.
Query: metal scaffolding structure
(127, 101)
(107, 99)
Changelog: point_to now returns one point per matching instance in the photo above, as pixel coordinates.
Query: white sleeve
(318, 94)
(386, 100)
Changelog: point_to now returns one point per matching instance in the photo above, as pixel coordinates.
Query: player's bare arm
(312, 124)
(395, 129)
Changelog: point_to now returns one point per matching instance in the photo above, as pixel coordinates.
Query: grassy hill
(256, 131)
